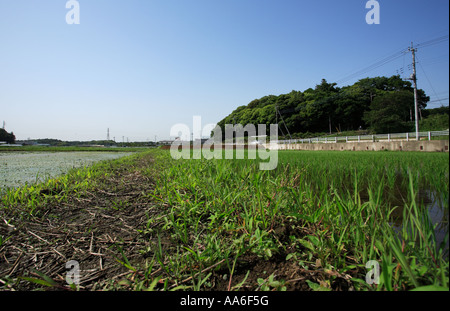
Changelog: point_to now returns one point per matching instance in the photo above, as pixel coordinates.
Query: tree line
(377, 105)
(60, 143)
(9, 138)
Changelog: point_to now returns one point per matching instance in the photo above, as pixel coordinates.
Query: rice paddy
(321, 221)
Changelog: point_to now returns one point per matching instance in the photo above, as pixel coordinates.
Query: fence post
(429, 135)
(407, 136)
(389, 137)
(359, 138)
(346, 139)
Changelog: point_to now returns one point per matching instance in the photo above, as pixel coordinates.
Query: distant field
(18, 168)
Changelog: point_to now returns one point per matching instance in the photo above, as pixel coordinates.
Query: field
(18, 168)
(321, 221)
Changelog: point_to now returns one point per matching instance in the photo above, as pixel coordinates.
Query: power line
(426, 76)
(434, 60)
(380, 63)
(437, 100)
(432, 42)
(391, 58)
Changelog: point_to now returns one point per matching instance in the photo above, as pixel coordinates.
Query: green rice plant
(41, 280)
(124, 260)
(270, 284)
(317, 287)
(197, 284)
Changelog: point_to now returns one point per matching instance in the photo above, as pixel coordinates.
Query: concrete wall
(425, 146)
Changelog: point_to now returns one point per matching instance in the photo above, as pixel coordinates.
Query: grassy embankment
(150, 222)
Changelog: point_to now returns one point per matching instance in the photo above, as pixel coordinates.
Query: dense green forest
(435, 119)
(7, 137)
(377, 105)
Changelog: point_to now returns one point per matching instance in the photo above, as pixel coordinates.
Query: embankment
(425, 146)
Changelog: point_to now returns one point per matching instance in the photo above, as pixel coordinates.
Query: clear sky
(140, 66)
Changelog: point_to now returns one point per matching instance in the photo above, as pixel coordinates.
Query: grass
(311, 224)
(335, 205)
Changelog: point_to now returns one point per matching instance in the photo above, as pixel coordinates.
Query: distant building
(202, 141)
(165, 142)
(92, 146)
(29, 143)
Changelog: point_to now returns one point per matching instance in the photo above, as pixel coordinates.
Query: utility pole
(414, 79)
(107, 135)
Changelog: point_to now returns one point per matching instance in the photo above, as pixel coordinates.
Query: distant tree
(434, 111)
(390, 112)
(435, 122)
(7, 137)
(351, 104)
(325, 87)
(381, 103)
(12, 138)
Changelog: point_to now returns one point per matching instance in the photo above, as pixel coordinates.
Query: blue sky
(139, 67)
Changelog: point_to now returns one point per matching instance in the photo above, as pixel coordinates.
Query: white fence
(366, 138)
